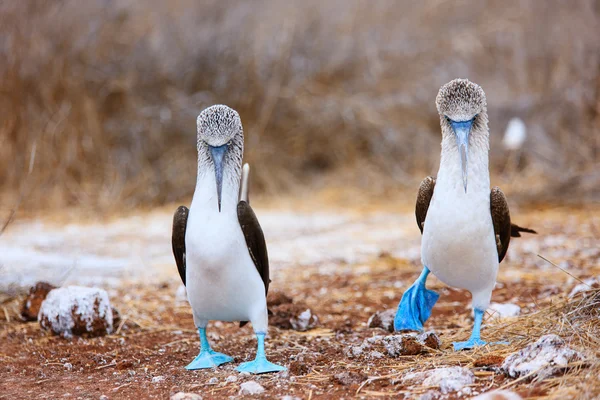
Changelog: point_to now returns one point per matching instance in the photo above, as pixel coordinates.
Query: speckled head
(461, 100)
(220, 145)
(463, 116)
(218, 124)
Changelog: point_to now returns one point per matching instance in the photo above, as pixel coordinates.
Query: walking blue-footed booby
(466, 227)
(218, 243)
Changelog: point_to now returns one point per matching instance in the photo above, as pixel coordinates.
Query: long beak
(218, 154)
(462, 130)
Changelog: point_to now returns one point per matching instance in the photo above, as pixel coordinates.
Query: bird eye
(230, 143)
(447, 118)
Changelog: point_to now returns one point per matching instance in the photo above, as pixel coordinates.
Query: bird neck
(205, 194)
(478, 174)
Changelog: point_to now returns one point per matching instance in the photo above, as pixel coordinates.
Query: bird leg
(208, 358)
(475, 339)
(260, 365)
(416, 304)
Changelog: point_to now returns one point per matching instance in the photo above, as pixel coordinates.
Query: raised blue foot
(416, 304)
(208, 358)
(260, 365)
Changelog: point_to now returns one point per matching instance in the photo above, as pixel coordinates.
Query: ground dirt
(156, 337)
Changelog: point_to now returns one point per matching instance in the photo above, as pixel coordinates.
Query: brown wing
(501, 221)
(178, 239)
(255, 241)
(423, 199)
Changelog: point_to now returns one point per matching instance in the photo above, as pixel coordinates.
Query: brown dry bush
(99, 98)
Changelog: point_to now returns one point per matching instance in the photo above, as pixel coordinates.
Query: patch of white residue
(63, 308)
(498, 395)
(158, 379)
(450, 379)
(505, 310)
(543, 358)
(251, 387)
(304, 321)
(186, 396)
(588, 284)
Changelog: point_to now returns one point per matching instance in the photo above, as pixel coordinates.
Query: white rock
(186, 396)
(290, 398)
(450, 379)
(546, 357)
(305, 321)
(76, 310)
(251, 387)
(231, 378)
(498, 395)
(588, 284)
(157, 379)
(504, 310)
(68, 366)
(181, 294)
(103, 397)
(213, 381)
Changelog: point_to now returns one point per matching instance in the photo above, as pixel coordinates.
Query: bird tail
(244, 186)
(515, 230)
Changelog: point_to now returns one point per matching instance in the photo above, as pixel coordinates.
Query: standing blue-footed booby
(466, 227)
(218, 243)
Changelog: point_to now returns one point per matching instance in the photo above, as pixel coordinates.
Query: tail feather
(515, 230)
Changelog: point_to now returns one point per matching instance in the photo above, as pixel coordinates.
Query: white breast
(458, 243)
(221, 279)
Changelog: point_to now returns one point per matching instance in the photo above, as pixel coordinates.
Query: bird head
(221, 139)
(463, 115)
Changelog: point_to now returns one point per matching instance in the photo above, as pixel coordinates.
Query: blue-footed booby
(218, 244)
(466, 226)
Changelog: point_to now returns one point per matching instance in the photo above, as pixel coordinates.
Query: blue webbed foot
(415, 307)
(469, 344)
(208, 359)
(259, 366)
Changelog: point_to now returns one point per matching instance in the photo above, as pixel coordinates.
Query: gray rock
(251, 387)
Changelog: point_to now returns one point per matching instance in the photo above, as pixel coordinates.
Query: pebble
(157, 379)
(251, 387)
(186, 396)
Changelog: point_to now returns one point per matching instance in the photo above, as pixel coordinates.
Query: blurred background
(99, 98)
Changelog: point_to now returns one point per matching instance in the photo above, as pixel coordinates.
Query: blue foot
(208, 359)
(469, 344)
(416, 304)
(259, 366)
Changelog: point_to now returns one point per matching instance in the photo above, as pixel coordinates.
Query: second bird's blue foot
(259, 366)
(208, 359)
(415, 307)
(469, 344)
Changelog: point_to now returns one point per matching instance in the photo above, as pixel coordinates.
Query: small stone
(213, 381)
(286, 397)
(548, 356)
(295, 316)
(498, 395)
(68, 366)
(32, 303)
(77, 310)
(348, 378)
(231, 378)
(376, 354)
(383, 319)
(103, 397)
(587, 285)
(450, 379)
(158, 379)
(488, 361)
(251, 387)
(186, 396)
(504, 310)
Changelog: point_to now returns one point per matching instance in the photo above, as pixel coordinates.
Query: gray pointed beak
(218, 154)
(462, 129)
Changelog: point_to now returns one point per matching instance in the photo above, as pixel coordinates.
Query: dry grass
(99, 99)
